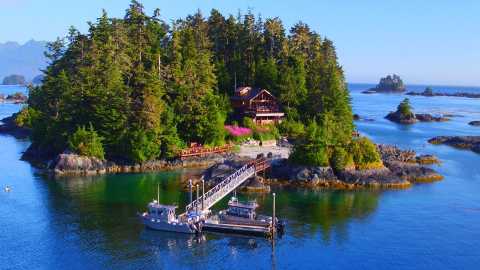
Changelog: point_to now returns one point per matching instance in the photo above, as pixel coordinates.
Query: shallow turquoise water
(89, 222)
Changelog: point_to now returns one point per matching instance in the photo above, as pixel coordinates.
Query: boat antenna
(196, 205)
(190, 188)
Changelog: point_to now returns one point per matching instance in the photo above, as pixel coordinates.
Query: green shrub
(265, 133)
(341, 159)
(405, 108)
(143, 146)
(87, 142)
(310, 149)
(25, 117)
(248, 123)
(365, 153)
(291, 128)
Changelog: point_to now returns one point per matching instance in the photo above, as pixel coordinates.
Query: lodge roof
(248, 93)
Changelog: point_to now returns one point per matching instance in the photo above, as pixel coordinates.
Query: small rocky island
(428, 92)
(462, 142)
(474, 123)
(390, 84)
(14, 80)
(404, 115)
(16, 98)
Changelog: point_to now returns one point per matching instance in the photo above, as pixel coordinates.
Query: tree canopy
(148, 88)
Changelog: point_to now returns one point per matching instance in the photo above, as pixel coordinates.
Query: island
(389, 84)
(14, 80)
(474, 123)
(164, 100)
(428, 92)
(16, 98)
(461, 142)
(405, 115)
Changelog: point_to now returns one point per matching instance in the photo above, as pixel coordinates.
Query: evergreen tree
(148, 89)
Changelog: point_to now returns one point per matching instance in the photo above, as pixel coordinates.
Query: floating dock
(237, 229)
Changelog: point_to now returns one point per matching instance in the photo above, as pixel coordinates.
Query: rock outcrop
(10, 127)
(401, 118)
(428, 93)
(14, 79)
(390, 84)
(71, 164)
(475, 123)
(412, 119)
(401, 169)
(17, 98)
(463, 142)
(426, 117)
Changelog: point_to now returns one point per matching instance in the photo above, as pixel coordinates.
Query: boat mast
(198, 189)
(158, 193)
(203, 193)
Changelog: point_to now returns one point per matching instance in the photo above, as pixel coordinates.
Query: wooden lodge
(258, 104)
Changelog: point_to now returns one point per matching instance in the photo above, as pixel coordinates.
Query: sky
(434, 42)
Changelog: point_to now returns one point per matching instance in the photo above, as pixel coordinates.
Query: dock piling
(203, 193)
(273, 217)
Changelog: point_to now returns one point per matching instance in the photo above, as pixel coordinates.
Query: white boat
(163, 218)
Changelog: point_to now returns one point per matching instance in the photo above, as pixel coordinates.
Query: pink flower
(237, 131)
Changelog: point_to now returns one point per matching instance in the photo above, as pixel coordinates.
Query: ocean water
(90, 222)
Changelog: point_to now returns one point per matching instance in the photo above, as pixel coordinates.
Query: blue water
(89, 222)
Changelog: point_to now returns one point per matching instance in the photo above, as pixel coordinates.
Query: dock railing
(227, 185)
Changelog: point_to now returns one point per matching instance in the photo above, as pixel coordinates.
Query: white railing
(218, 192)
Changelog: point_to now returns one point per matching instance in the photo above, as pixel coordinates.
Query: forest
(137, 88)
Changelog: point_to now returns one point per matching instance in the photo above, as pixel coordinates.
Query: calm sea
(89, 222)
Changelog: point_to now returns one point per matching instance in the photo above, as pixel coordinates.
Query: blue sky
(424, 41)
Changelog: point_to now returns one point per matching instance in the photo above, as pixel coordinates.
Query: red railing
(260, 164)
(202, 151)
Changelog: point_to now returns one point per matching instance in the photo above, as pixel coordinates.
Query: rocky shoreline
(17, 98)
(401, 169)
(418, 117)
(10, 127)
(431, 94)
(69, 164)
(471, 143)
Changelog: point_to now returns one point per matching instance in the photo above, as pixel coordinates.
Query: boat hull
(158, 225)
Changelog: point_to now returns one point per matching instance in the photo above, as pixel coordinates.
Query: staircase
(230, 183)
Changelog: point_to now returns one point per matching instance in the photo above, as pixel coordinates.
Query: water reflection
(103, 210)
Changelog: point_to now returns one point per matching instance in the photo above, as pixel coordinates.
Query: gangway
(233, 181)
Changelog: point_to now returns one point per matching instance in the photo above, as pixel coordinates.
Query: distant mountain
(25, 60)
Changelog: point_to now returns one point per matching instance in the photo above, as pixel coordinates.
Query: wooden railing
(202, 151)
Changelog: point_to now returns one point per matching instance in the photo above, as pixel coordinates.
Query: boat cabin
(242, 209)
(258, 104)
(162, 212)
